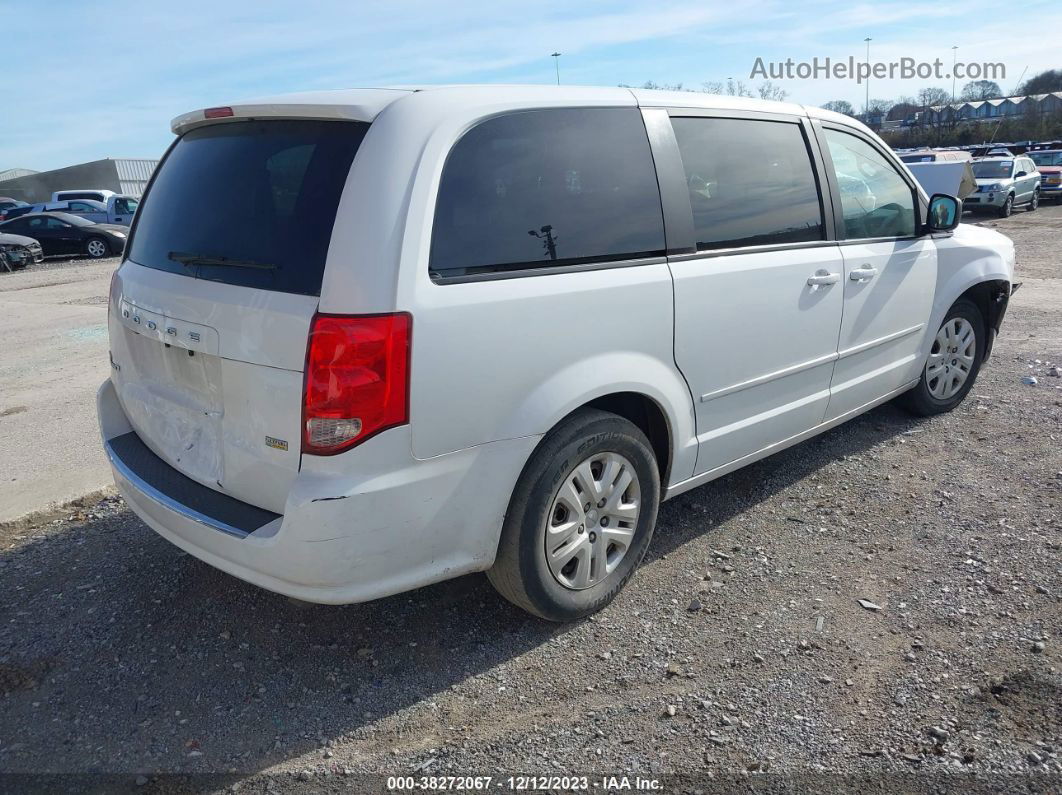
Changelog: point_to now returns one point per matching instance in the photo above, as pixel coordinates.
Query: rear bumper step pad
(178, 492)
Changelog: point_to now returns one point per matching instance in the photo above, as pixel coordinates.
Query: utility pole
(556, 61)
(954, 48)
(866, 106)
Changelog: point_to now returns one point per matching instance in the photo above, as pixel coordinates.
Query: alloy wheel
(96, 248)
(592, 520)
(951, 359)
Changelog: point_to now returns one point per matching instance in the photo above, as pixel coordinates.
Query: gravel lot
(53, 321)
(740, 651)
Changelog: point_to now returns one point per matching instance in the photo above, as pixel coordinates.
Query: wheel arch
(991, 298)
(643, 388)
(977, 264)
(650, 418)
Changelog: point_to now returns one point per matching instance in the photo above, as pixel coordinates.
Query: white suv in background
(1004, 183)
(419, 333)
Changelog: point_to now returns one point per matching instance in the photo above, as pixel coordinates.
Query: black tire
(94, 251)
(919, 400)
(1007, 208)
(520, 572)
(1035, 202)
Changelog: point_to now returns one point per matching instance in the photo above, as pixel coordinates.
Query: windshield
(993, 169)
(922, 158)
(76, 220)
(258, 192)
(1046, 158)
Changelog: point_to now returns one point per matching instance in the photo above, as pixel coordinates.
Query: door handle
(863, 273)
(823, 276)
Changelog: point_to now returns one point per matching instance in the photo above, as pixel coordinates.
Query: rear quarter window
(261, 193)
(547, 188)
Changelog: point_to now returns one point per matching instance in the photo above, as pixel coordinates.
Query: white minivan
(423, 332)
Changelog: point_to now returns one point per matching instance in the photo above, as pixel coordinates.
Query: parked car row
(1006, 175)
(57, 233)
(934, 156)
(1006, 148)
(88, 222)
(111, 209)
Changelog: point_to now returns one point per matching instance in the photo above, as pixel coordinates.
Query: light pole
(954, 49)
(866, 105)
(556, 61)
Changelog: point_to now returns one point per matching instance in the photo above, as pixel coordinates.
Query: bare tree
(650, 84)
(769, 90)
(980, 89)
(929, 97)
(732, 87)
(839, 106)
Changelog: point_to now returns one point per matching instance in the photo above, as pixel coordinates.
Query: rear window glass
(547, 188)
(248, 203)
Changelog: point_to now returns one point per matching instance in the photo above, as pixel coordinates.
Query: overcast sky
(91, 79)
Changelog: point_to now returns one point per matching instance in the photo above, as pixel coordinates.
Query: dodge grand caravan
(419, 333)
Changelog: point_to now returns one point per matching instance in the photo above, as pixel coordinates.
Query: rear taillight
(357, 379)
(217, 113)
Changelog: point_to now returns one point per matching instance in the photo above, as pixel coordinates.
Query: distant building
(991, 109)
(122, 175)
(11, 173)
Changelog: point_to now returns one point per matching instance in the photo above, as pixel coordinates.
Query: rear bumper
(358, 526)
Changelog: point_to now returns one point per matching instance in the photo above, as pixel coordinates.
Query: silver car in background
(1003, 183)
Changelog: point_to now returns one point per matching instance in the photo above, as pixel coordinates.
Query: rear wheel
(1035, 201)
(953, 363)
(96, 247)
(580, 518)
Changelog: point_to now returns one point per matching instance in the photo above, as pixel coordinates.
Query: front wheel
(1007, 208)
(96, 247)
(580, 518)
(953, 363)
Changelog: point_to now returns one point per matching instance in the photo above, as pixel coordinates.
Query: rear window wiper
(223, 262)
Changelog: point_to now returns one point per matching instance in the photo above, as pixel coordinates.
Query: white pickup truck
(114, 209)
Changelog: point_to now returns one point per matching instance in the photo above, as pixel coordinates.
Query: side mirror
(1021, 174)
(944, 213)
